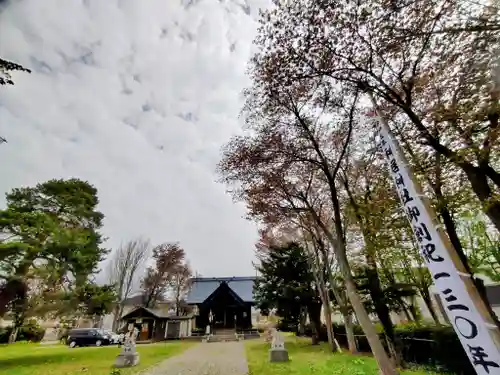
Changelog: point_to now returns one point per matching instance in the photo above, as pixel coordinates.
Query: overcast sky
(137, 97)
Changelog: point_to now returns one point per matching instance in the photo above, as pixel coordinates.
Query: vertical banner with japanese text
(470, 326)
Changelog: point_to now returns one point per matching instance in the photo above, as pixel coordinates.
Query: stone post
(278, 352)
(128, 356)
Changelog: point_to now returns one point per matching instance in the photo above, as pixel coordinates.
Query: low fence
(433, 347)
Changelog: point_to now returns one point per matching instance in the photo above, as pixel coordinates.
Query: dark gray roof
(134, 300)
(203, 287)
(158, 313)
(139, 300)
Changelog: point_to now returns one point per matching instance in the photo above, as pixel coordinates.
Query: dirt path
(218, 358)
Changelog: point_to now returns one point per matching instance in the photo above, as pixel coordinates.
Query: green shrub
(62, 335)
(434, 347)
(286, 326)
(29, 332)
(4, 335)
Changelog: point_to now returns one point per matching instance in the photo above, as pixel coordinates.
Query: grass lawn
(35, 359)
(308, 359)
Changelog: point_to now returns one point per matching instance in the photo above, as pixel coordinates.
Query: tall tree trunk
(477, 175)
(15, 287)
(302, 321)
(344, 310)
(11, 290)
(346, 314)
(406, 312)
(441, 308)
(384, 362)
(349, 331)
(430, 306)
(480, 186)
(319, 271)
(314, 310)
(13, 335)
(117, 315)
(451, 229)
(18, 312)
(494, 207)
(374, 284)
(327, 312)
(378, 298)
(178, 297)
(414, 312)
(313, 262)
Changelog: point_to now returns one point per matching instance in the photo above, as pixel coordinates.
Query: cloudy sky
(137, 97)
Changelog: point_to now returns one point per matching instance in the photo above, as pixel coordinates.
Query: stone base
(127, 360)
(278, 355)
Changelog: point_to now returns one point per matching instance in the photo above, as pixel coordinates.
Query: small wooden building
(158, 324)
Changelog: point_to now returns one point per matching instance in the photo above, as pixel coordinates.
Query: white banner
(468, 323)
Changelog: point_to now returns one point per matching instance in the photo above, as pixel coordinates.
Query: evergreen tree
(286, 283)
(54, 224)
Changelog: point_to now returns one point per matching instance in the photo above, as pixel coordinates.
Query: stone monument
(206, 338)
(278, 352)
(128, 357)
(270, 328)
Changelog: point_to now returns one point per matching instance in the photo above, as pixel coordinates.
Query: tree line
(51, 249)
(311, 173)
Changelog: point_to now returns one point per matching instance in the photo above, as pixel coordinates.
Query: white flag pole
(467, 313)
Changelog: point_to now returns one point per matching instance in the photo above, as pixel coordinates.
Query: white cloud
(136, 97)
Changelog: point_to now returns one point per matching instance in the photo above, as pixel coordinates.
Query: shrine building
(224, 303)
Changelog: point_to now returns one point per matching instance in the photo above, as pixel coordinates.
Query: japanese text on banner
(469, 325)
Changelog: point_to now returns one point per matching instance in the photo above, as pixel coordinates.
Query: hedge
(434, 347)
(28, 332)
(286, 326)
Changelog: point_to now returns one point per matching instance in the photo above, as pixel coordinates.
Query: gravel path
(216, 358)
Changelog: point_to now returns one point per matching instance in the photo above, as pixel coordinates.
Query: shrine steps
(228, 335)
(223, 335)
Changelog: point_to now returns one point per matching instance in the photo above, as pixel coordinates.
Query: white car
(113, 337)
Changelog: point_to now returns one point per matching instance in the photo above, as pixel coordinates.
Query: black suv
(88, 337)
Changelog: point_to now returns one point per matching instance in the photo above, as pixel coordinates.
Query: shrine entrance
(225, 317)
(224, 309)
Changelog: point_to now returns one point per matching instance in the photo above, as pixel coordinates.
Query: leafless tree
(169, 258)
(124, 267)
(180, 284)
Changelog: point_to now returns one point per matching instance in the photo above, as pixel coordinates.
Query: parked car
(114, 337)
(88, 337)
